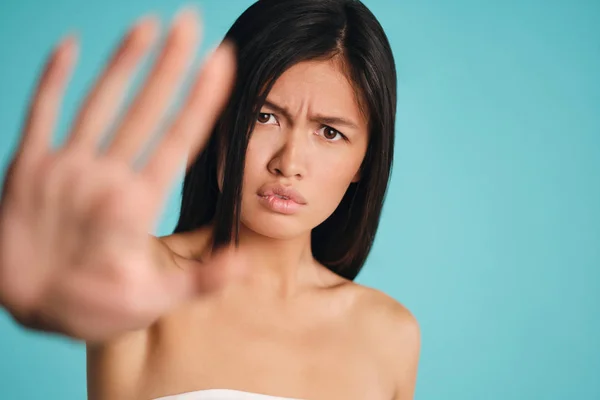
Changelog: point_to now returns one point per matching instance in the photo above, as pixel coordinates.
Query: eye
(264, 118)
(331, 134)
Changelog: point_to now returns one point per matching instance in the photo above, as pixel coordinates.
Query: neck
(281, 267)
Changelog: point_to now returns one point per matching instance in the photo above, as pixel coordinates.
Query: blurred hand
(76, 256)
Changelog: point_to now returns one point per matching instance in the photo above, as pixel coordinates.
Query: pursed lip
(283, 191)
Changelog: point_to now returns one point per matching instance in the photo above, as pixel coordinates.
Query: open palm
(76, 254)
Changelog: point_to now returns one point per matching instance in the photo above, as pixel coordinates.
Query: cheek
(333, 175)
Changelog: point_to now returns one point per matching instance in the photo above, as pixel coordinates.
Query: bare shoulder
(374, 308)
(115, 367)
(388, 313)
(394, 336)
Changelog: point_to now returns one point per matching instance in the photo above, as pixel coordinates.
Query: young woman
(252, 296)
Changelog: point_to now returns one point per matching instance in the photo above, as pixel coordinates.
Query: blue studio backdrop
(491, 230)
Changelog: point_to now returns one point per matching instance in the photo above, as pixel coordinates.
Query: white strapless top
(222, 394)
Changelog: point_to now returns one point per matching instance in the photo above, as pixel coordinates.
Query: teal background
(491, 230)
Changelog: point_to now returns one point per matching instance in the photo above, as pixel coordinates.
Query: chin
(275, 226)
(259, 218)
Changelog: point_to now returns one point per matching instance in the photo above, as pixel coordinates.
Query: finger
(103, 103)
(44, 109)
(150, 105)
(194, 124)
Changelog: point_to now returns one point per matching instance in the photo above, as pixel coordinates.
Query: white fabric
(222, 394)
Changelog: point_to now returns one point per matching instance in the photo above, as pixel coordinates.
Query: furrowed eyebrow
(323, 119)
(279, 109)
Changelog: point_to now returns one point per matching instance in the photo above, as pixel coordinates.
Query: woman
(252, 296)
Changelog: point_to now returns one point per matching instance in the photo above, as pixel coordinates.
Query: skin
(163, 315)
(289, 327)
(327, 338)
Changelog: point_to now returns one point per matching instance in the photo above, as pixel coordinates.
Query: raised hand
(76, 253)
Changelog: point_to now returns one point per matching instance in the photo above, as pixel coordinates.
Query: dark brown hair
(270, 37)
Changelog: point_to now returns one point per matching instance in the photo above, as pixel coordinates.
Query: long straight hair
(270, 37)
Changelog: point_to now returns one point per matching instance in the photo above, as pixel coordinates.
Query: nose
(289, 160)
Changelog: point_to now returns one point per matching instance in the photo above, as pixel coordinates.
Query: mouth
(280, 204)
(278, 196)
(282, 192)
(281, 199)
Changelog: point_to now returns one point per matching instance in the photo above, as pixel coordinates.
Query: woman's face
(307, 147)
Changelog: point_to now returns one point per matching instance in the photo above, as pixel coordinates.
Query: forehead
(319, 85)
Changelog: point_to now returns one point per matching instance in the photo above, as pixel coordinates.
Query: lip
(281, 199)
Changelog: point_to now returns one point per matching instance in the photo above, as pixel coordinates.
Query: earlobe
(356, 177)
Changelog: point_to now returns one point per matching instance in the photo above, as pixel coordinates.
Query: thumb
(225, 266)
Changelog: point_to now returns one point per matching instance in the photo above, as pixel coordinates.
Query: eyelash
(324, 126)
